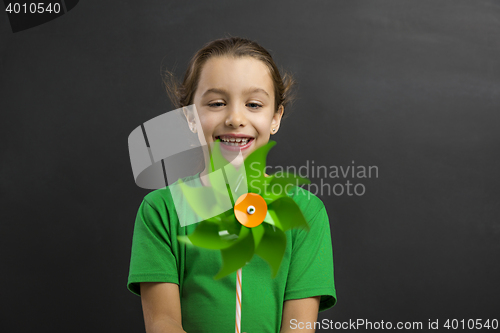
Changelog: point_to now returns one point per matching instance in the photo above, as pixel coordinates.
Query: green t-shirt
(209, 305)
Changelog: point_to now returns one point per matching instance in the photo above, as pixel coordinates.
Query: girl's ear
(190, 118)
(275, 123)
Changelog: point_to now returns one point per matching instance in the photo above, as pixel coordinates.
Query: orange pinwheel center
(250, 209)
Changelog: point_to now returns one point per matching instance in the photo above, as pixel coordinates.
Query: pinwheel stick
(238, 301)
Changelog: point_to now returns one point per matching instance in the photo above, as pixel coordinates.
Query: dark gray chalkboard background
(412, 87)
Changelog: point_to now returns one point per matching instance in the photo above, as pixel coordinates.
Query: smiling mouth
(234, 141)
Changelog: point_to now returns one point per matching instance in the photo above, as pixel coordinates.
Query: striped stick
(238, 301)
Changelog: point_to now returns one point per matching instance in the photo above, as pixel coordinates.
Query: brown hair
(182, 94)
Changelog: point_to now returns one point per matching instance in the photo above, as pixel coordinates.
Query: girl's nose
(235, 117)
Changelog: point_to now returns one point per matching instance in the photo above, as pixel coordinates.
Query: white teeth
(232, 141)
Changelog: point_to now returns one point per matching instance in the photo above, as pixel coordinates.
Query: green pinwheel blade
(201, 199)
(272, 247)
(288, 214)
(228, 222)
(272, 219)
(236, 256)
(258, 232)
(233, 178)
(282, 183)
(255, 165)
(207, 235)
(266, 191)
(217, 160)
(216, 179)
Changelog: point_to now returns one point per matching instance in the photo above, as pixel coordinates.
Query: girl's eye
(216, 104)
(254, 105)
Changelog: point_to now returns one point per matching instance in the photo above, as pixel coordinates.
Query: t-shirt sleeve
(152, 258)
(311, 268)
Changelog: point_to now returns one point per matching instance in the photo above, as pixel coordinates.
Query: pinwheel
(262, 211)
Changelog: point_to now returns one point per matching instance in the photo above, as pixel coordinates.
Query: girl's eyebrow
(254, 90)
(224, 92)
(214, 90)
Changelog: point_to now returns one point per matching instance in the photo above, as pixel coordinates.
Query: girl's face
(235, 103)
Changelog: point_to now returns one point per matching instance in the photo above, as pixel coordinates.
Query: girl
(240, 98)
